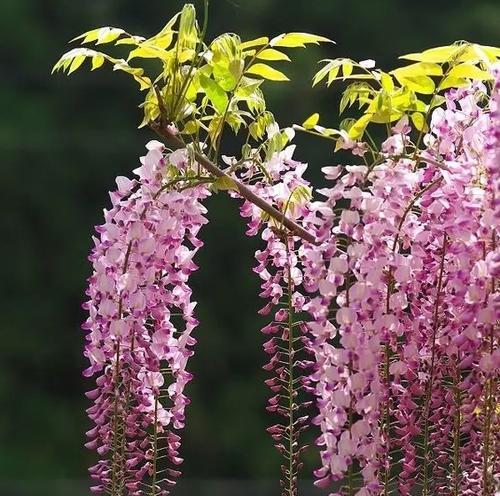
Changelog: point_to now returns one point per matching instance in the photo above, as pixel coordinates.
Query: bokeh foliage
(62, 143)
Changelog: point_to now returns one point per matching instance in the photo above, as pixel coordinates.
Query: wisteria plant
(382, 297)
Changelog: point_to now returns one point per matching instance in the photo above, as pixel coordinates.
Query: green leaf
(311, 121)
(136, 72)
(267, 72)
(272, 54)
(187, 35)
(297, 40)
(215, 93)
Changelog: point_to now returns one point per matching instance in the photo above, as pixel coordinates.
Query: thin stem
(386, 421)
(430, 384)
(457, 427)
(350, 470)
(114, 462)
(490, 405)
(410, 206)
(290, 389)
(155, 449)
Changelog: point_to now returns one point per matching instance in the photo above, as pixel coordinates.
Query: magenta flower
(140, 325)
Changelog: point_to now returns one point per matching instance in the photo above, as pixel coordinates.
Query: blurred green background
(62, 142)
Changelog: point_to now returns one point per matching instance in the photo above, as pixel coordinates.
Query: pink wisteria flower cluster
(405, 319)
(139, 330)
(287, 341)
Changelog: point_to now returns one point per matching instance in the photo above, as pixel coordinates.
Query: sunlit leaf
(100, 35)
(272, 54)
(468, 71)
(267, 72)
(434, 55)
(419, 121)
(215, 93)
(97, 61)
(419, 84)
(346, 68)
(387, 82)
(296, 40)
(311, 121)
(453, 82)
(419, 69)
(191, 127)
(357, 129)
(264, 40)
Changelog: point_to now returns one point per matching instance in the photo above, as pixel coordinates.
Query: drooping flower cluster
(286, 335)
(139, 329)
(405, 330)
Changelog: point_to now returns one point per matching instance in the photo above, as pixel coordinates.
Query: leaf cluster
(200, 87)
(412, 90)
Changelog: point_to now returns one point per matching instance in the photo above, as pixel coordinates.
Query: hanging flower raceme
(139, 330)
(286, 335)
(406, 309)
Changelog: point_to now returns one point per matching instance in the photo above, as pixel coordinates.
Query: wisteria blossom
(139, 330)
(405, 316)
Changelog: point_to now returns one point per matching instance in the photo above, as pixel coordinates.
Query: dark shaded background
(62, 142)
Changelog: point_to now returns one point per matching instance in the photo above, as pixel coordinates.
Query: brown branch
(243, 190)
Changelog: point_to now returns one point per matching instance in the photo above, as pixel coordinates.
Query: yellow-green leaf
(386, 82)
(418, 120)
(357, 130)
(267, 72)
(215, 93)
(100, 35)
(452, 82)
(296, 40)
(97, 61)
(419, 84)
(419, 69)
(148, 52)
(272, 54)
(347, 68)
(191, 127)
(332, 75)
(434, 55)
(311, 121)
(264, 40)
(107, 35)
(468, 71)
(131, 40)
(76, 63)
